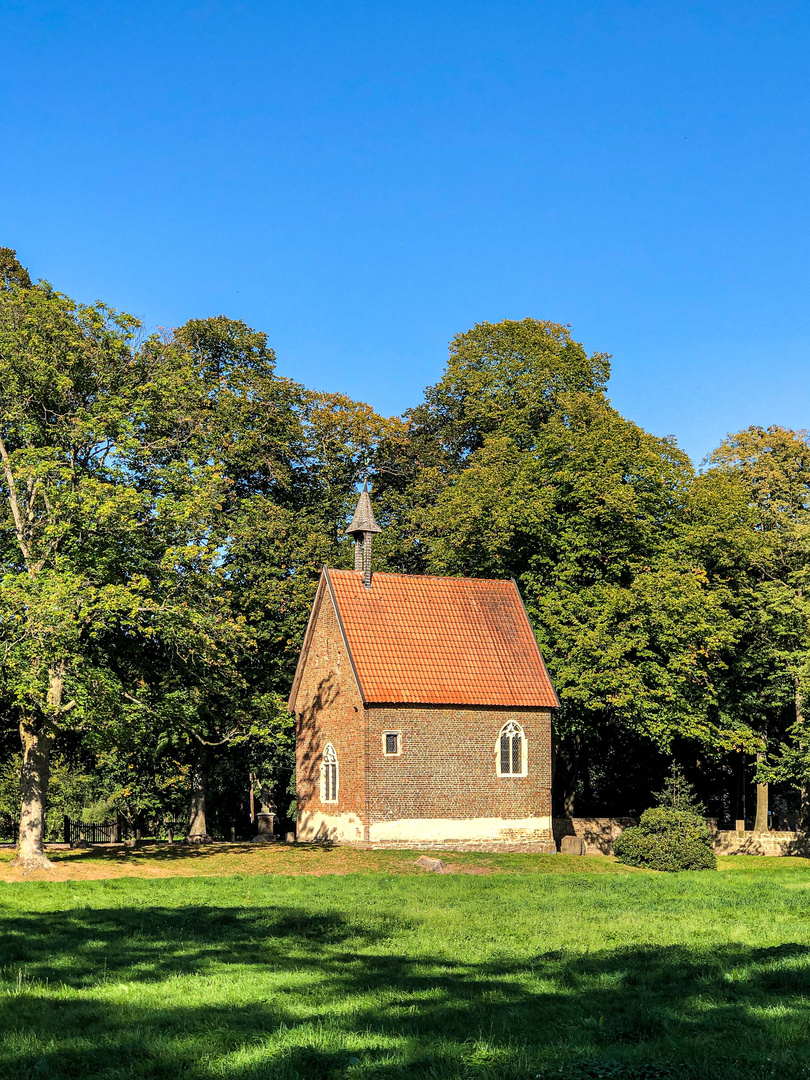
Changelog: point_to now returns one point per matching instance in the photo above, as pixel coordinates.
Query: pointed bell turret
(363, 520)
(362, 528)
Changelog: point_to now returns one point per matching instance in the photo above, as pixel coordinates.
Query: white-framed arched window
(511, 751)
(329, 775)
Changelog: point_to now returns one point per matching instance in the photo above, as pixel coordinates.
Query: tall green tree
(520, 467)
(288, 460)
(770, 673)
(98, 529)
(238, 416)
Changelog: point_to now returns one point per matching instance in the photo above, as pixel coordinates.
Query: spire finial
(362, 528)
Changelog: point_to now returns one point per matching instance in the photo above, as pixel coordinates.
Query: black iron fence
(74, 831)
(107, 832)
(66, 831)
(115, 832)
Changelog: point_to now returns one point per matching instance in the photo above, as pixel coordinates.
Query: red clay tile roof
(448, 641)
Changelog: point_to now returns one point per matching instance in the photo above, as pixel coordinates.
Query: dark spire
(362, 528)
(363, 520)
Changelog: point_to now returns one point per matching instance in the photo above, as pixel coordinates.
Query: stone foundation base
(480, 834)
(405, 832)
(322, 828)
(541, 847)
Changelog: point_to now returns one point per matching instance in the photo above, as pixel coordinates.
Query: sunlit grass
(164, 860)
(388, 974)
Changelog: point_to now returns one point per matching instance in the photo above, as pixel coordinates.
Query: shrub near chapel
(667, 839)
(670, 836)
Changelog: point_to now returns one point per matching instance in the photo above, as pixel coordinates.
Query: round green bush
(667, 839)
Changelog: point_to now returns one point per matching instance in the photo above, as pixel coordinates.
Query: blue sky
(364, 180)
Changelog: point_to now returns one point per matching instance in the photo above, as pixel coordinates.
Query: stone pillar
(266, 824)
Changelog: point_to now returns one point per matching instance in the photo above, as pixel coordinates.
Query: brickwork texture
(448, 764)
(329, 709)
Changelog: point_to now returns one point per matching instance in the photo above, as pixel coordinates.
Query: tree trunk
(37, 735)
(804, 805)
(197, 828)
(761, 820)
(37, 740)
(571, 777)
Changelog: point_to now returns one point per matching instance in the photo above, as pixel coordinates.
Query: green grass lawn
(362, 975)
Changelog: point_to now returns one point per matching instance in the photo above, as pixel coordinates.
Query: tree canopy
(168, 501)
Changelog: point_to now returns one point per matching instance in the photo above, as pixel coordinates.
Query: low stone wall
(598, 833)
(729, 842)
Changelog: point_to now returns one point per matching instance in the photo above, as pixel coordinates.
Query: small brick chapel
(423, 709)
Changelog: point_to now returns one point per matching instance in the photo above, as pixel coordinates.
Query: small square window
(391, 743)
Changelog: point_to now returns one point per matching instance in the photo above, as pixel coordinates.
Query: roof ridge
(428, 577)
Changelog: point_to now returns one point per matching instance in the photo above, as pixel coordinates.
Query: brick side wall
(447, 767)
(328, 708)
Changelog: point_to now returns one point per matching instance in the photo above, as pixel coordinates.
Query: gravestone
(436, 865)
(572, 845)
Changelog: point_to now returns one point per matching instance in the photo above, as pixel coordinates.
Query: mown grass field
(363, 967)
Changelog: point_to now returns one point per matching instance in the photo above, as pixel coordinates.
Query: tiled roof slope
(448, 641)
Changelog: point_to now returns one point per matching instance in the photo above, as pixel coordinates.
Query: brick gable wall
(328, 708)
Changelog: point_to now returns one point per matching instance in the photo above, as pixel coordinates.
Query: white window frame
(398, 751)
(510, 730)
(329, 761)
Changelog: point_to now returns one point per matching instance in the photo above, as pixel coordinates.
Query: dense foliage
(168, 501)
(667, 839)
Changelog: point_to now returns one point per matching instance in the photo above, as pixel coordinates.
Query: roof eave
(302, 656)
(537, 645)
(348, 647)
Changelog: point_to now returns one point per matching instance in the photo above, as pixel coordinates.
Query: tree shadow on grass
(278, 992)
(114, 854)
